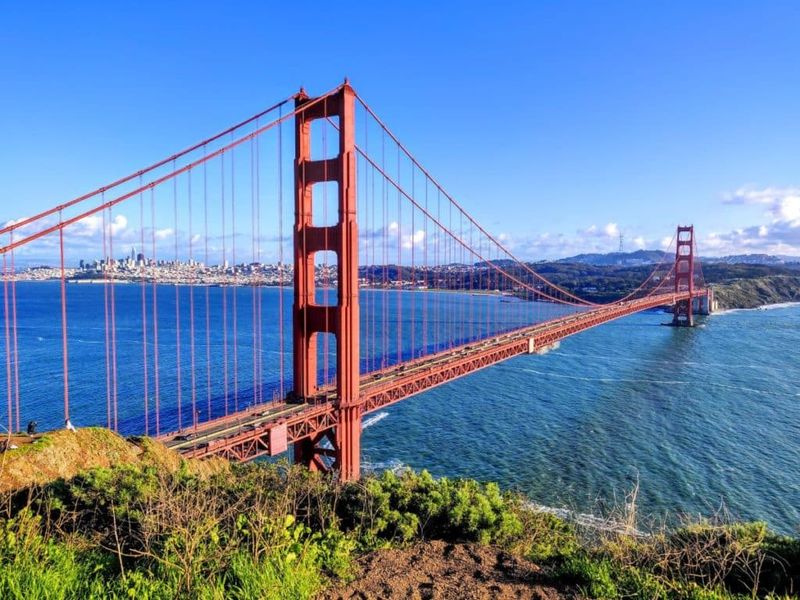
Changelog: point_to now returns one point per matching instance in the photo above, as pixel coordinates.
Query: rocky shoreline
(757, 292)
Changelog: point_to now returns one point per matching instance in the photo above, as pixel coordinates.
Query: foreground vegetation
(276, 531)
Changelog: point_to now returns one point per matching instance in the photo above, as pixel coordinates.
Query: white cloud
(609, 230)
(414, 239)
(783, 204)
(779, 235)
(557, 245)
(393, 235)
(92, 226)
(11, 222)
(162, 234)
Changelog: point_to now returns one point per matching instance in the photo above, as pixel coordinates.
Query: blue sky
(556, 124)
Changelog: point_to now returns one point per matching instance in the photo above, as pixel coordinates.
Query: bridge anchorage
(423, 293)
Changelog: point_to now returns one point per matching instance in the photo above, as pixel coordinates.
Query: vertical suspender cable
(413, 272)
(207, 289)
(281, 341)
(471, 329)
(252, 271)
(465, 287)
(399, 318)
(6, 321)
(113, 326)
(64, 350)
(385, 252)
(224, 287)
(454, 284)
(374, 297)
(193, 276)
(106, 264)
(425, 275)
(154, 289)
(437, 261)
(14, 333)
(258, 331)
(178, 369)
(235, 286)
(144, 315)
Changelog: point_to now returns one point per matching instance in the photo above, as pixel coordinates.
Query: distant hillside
(753, 259)
(626, 259)
(760, 291)
(605, 283)
(646, 257)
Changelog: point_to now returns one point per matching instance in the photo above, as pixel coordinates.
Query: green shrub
(595, 576)
(642, 585)
(415, 505)
(546, 538)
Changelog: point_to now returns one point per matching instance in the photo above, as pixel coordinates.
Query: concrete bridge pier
(705, 305)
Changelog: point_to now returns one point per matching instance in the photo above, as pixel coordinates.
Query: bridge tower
(684, 276)
(309, 318)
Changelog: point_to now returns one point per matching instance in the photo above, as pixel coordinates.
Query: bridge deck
(247, 434)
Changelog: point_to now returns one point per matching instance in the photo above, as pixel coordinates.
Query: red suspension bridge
(269, 337)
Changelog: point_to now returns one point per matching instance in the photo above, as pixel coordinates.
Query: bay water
(704, 419)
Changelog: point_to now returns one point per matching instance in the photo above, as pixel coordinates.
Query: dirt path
(438, 570)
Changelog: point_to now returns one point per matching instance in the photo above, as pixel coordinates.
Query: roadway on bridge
(214, 436)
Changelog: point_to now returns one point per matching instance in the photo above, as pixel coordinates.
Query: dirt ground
(438, 570)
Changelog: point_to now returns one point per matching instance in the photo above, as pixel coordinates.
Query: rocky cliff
(759, 291)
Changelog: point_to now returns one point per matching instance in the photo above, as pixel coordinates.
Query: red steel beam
(243, 440)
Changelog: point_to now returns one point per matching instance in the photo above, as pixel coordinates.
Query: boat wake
(370, 421)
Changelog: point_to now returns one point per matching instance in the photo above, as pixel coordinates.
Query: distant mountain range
(627, 259)
(644, 257)
(754, 259)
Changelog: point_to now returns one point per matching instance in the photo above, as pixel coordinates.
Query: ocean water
(705, 419)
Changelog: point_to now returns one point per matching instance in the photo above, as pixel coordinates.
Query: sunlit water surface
(704, 418)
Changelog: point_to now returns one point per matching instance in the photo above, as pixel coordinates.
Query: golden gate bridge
(375, 242)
